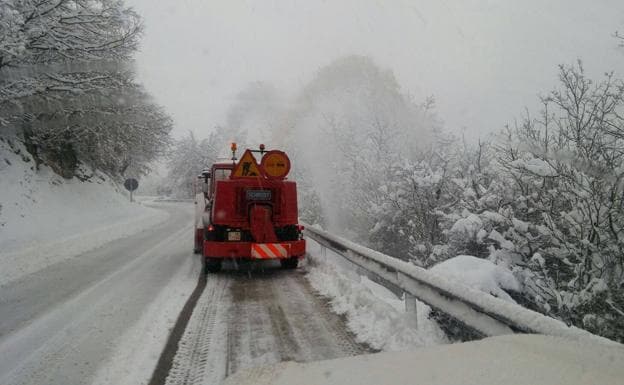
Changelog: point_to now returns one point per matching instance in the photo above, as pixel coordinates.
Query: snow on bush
(544, 197)
(534, 166)
(480, 274)
(466, 227)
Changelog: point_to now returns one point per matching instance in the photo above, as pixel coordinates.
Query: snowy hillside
(42, 216)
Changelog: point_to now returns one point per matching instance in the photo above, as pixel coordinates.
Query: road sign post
(131, 184)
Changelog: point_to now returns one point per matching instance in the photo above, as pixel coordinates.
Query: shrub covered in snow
(544, 198)
(480, 274)
(565, 170)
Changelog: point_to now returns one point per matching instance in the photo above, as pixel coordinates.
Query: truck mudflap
(251, 250)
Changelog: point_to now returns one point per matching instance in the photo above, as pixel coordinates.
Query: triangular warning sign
(247, 167)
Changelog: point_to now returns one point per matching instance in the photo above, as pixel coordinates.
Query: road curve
(59, 324)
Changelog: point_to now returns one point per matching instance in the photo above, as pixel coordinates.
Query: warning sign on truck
(247, 166)
(275, 164)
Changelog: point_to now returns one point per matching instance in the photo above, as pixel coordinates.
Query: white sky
(483, 60)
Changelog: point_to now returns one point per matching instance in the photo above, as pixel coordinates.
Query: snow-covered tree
(188, 157)
(428, 214)
(45, 32)
(45, 45)
(549, 201)
(546, 197)
(66, 91)
(566, 169)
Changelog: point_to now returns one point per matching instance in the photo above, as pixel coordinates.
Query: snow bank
(45, 219)
(480, 274)
(374, 314)
(509, 360)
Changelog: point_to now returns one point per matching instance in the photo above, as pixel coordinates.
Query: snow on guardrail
(479, 311)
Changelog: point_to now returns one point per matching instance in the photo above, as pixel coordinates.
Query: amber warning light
(233, 148)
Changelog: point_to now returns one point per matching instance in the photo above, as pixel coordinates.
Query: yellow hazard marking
(247, 166)
(276, 164)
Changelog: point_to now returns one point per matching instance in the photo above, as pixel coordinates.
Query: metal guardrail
(484, 314)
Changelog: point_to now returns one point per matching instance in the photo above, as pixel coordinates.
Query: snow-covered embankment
(45, 219)
(374, 314)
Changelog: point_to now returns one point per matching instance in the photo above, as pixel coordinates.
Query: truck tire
(212, 265)
(290, 263)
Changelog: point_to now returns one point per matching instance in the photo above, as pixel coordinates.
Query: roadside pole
(131, 184)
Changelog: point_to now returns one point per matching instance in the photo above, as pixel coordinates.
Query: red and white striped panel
(269, 250)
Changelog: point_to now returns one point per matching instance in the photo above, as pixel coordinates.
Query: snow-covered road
(245, 320)
(65, 323)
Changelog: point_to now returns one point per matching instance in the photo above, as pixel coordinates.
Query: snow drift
(509, 360)
(374, 314)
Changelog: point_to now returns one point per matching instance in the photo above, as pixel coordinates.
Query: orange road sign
(275, 164)
(247, 167)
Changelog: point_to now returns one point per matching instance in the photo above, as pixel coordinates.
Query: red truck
(247, 210)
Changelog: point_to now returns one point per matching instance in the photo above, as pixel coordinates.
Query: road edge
(165, 361)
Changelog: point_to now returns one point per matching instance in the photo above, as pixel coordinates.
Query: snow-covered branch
(35, 32)
(64, 85)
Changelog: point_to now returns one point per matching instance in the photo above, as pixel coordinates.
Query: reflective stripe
(269, 250)
(266, 251)
(261, 253)
(275, 251)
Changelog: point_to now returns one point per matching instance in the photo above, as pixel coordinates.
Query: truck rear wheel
(212, 265)
(290, 263)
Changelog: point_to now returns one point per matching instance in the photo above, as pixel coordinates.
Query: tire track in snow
(245, 320)
(200, 349)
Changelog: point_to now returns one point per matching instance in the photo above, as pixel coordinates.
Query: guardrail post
(411, 308)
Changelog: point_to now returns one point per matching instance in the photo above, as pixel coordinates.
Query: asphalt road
(246, 319)
(59, 324)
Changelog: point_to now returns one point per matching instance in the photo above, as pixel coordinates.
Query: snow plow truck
(247, 210)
